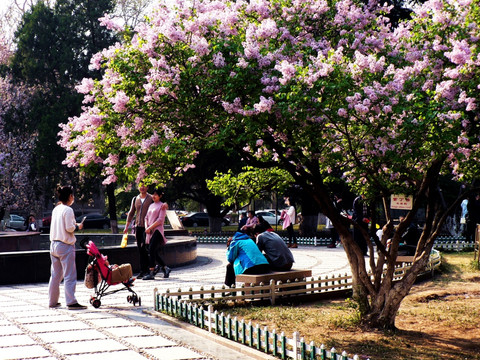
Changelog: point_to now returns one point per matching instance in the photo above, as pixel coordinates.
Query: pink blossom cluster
(330, 83)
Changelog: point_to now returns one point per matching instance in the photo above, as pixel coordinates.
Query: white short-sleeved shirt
(63, 224)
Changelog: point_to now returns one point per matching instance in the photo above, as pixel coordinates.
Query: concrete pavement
(117, 330)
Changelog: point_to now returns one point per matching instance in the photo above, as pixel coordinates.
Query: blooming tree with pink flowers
(307, 86)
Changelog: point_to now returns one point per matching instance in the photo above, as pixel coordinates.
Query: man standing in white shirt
(62, 251)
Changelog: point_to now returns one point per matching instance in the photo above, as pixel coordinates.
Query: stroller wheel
(139, 301)
(129, 298)
(134, 299)
(96, 303)
(91, 300)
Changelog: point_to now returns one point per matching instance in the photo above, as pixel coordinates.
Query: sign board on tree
(401, 202)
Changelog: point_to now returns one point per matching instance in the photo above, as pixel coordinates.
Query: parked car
(46, 220)
(199, 219)
(273, 211)
(16, 222)
(94, 221)
(269, 217)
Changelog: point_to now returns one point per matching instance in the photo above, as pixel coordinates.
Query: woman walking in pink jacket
(155, 235)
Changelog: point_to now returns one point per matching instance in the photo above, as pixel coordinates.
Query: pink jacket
(156, 214)
(288, 217)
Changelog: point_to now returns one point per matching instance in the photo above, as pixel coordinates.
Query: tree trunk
(215, 224)
(308, 225)
(379, 299)
(112, 207)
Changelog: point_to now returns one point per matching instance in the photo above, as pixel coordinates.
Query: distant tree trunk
(215, 224)
(112, 207)
(308, 226)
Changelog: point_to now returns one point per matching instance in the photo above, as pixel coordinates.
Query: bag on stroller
(101, 275)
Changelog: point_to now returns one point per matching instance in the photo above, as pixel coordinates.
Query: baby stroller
(100, 275)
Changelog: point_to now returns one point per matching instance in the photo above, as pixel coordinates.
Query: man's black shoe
(76, 306)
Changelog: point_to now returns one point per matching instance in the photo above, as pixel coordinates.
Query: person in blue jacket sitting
(244, 257)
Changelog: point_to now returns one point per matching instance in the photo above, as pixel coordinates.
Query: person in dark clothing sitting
(410, 239)
(274, 248)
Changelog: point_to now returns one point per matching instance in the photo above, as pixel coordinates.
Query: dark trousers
(142, 249)
(334, 236)
(257, 269)
(360, 239)
(292, 239)
(285, 267)
(155, 243)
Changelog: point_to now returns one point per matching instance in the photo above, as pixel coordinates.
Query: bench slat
(274, 275)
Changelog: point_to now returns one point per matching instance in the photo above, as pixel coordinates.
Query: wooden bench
(282, 276)
(404, 259)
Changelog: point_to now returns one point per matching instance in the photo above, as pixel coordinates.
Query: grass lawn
(439, 319)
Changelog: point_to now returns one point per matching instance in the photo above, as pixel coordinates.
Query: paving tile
(113, 355)
(13, 303)
(109, 323)
(22, 352)
(88, 346)
(74, 335)
(15, 309)
(64, 325)
(28, 314)
(32, 319)
(94, 315)
(10, 330)
(129, 331)
(16, 340)
(144, 342)
(174, 353)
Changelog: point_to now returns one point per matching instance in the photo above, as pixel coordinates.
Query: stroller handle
(84, 242)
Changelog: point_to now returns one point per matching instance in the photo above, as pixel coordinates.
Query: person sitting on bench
(243, 257)
(274, 248)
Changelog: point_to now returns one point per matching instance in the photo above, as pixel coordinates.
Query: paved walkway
(117, 330)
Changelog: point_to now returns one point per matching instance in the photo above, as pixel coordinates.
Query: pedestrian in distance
(62, 251)
(31, 224)
(242, 221)
(473, 216)
(155, 235)
(252, 220)
(289, 216)
(335, 239)
(138, 211)
(361, 217)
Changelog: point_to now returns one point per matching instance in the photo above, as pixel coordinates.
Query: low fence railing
(446, 243)
(186, 305)
(264, 340)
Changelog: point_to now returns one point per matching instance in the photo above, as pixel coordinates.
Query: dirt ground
(439, 319)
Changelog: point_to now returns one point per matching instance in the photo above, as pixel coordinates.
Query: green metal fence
(446, 243)
(264, 340)
(189, 309)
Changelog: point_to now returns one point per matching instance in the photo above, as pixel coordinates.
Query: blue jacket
(243, 253)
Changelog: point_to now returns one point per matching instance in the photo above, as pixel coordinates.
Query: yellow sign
(401, 202)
